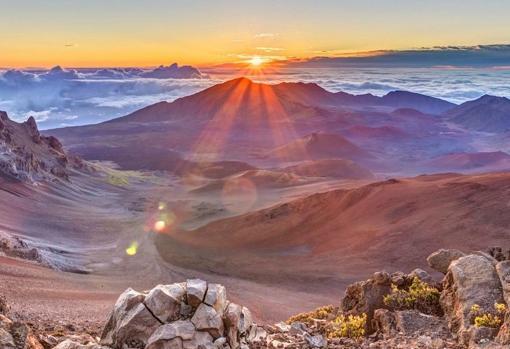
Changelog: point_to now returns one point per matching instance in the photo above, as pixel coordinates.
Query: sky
(108, 33)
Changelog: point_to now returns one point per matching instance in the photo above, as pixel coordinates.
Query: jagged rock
(398, 278)
(23, 336)
(282, 327)
(207, 319)
(4, 308)
(257, 334)
(411, 322)
(69, 344)
(298, 328)
(384, 322)
(317, 341)
(470, 280)
(421, 274)
(503, 270)
(481, 336)
(6, 340)
(441, 259)
(237, 321)
(216, 297)
(195, 290)
(164, 301)
(125, 303)
(174, 333)
(503, 336)
(366, 297)
(135, 328)
(202, 340)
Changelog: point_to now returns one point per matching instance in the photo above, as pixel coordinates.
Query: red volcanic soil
(335, 168)
(319, 146)
(325, 240)
(467, 161)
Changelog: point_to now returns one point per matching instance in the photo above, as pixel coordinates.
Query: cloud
(441, 56)
(265, 35)
(269, 49)
(80, 96)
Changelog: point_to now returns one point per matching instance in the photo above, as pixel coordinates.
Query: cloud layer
(62, 97)
(458, 56)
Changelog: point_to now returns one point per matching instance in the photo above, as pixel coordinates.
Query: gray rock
(317, 341)
(238, 321)
(126, 302)
(216, 297)
(282, 327)
(256, 334)
(69, 344)
(219, 343)
(207, 319)
(503, 270)
(412, 322)
(164, 301)
(135, 328)
(441, 259)
(470, 280)
(420, 274)
(298, 328)
(201, 340)
(195, 290)
(6, 340)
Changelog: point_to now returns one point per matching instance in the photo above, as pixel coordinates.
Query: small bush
(420, 296)
(488, 319)
(308, 318)
(352, 326)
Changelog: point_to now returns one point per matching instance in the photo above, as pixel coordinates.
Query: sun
(256, 61)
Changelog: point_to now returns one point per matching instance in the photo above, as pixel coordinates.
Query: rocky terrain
(27, 155)
(468, 308)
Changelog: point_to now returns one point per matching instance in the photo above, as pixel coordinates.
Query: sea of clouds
(66, 97)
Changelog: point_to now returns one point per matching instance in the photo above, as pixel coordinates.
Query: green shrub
(308, 318)
(488, 319)
(352, 326)
(420, 296)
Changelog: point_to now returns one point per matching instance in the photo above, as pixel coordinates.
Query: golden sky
(96, 33)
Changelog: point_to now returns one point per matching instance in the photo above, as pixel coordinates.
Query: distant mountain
(244, 98)
(319, 146)
(28, 156)
(487, 114)
(470, 161)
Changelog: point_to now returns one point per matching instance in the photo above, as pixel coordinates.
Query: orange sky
(147, 33)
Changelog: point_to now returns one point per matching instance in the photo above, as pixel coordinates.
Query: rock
(182, 330)
(202, 340)
(481, 335)
(164, 301)
(421, 274)
(69, 344)
(412, 322)
(384, 322)
(441, 259)
(398, 278)
(135, 328)
(195, 291)
(470, 280)
(503, 336)
(366, 297)
(381, 277)
(503, 270)
(207, 319)
(220, 342)
(282, 327)
(317, 341)
(298, 328)
(125, 303)
(238, 321)
(6, 340)
(216, 297)
(256, 334)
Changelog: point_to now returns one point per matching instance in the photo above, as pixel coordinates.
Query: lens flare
(132, 249)
(161, 206)
(159, 226)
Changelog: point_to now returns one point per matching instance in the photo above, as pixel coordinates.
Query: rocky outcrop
(27, 155)
(193, 314)
(471, 280)
(440, 260)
